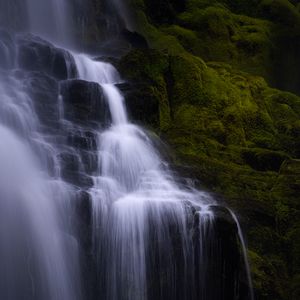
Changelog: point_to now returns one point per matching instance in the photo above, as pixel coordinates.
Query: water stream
(66, 139)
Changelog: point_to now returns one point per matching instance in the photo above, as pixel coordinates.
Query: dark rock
(219, 256)
(72, 170)
(84, 102)
(44, 91)
(263, 159)
(36, 54)
(136, 40)
(90, 161)
(210, 267)
(141, 105)
(87, 256)
(84, 140)
(164, 11)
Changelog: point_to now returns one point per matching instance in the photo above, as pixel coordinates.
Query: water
(245, 257)
(89, 209)
(123, 11)
(37, 257)
(51, 19)
(138, 209)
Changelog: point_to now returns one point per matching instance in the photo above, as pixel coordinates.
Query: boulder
(36, 54)
(84, 102)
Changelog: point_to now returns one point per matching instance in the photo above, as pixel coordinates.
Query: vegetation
(223, 73)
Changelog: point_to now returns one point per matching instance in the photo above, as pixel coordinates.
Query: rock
(44, 91)
(85, 143)
(263, 160)
(84, 102)
(84, 140)
(135, 39)
(218, 255)
(36, 54)
(73, 171)
(291, 167)
(164, 11)
(88, 262)
(142, 107)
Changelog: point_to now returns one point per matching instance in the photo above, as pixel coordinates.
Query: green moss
(156, 38)
(227, 127)
(224, 36)
(149, 65)
(186, 74)
(260, 269)
(153, 66)
(186, 37)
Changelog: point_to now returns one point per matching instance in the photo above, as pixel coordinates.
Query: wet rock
(263, 159)
(44, 91)
(36, 54)
(72, 170)
(83, 212)
(84, 102)
(218, 255)
(84, 140)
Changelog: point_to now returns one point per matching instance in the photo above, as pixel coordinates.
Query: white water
(39, 257)
(140, 216)
(31, 203)
(245, 256)
(51, 19)
(134, 194)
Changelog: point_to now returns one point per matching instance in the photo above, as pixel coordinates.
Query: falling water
(140, 208)
(245, 257)
(33, 248)
(38, 252)
(122, 8)
(66, 141)
(50, 19)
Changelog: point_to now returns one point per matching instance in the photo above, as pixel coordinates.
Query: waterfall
(121, 6)
(38, 259)
(88, 207)
(51, 19)
(140, 208)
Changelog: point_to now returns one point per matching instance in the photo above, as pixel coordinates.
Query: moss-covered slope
(214, 68)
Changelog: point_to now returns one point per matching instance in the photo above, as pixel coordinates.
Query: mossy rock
(152, 71)
(236, 136)
(223, 36)
(264, 276)
(263, 160)
(249, 35)
(210, 68)
(280, 11)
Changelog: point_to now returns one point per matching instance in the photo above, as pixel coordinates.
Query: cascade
(89, 209)
(50, 19)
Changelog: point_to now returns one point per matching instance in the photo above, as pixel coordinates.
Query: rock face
(84, 102)
(36, 54)
(260, 37)
(141, 106)
(214, 68)
(215, 252)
